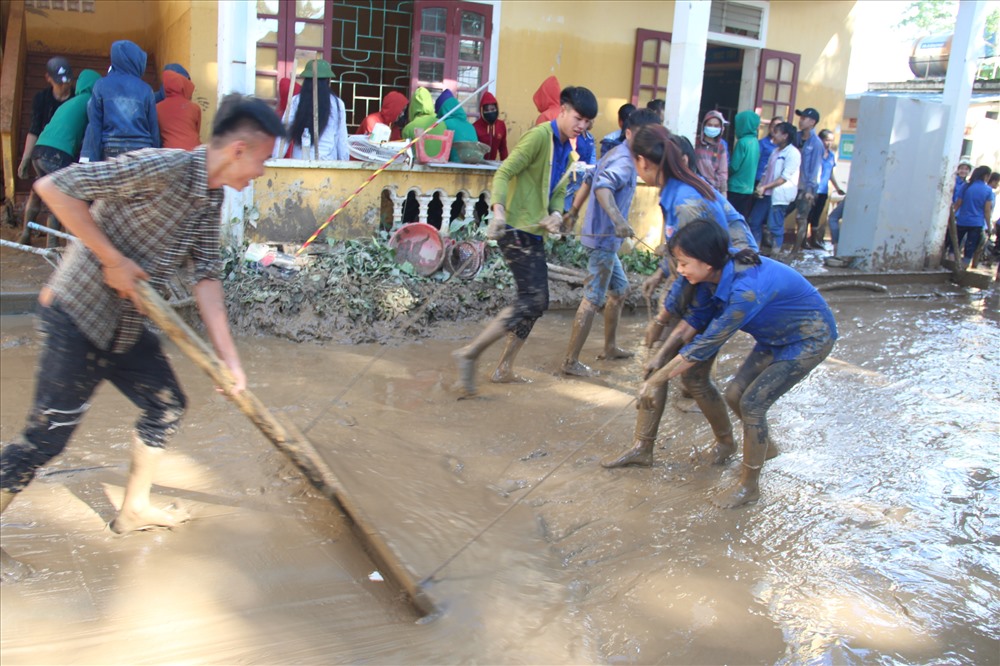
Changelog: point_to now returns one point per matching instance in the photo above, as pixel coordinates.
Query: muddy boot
(647, 423)
(504, 374)
(465, 358)
(581, 329)
(11, 570)
(612, 313)
(747, 489)
(717, 416)
(136, 513)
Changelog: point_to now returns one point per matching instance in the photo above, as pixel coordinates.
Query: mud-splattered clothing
(783, 312)
(616, 172)
(155, 207)
(525, 256)
(70, 369)
(681, 204)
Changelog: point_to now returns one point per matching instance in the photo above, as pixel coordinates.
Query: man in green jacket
(528, 197)
(58, 146)
(743, 162)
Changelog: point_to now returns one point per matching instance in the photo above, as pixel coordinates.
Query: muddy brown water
(875, 542)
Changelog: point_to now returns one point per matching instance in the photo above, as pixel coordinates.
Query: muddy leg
(647, 423)
(698, 381)
(465, 358)
(11, 570)
(504, 373)
(581, 329)
(612, 314)
(136, 512)
(747, 489)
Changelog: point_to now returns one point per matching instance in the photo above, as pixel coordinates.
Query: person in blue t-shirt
(793, 327)
(684, 197)
(826, 176)
(608, 189)
(973, 212)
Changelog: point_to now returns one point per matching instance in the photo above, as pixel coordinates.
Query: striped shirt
(154, 205)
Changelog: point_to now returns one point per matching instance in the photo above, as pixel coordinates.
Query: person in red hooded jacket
(179, 118)
(393, 107)
(546, 100)
(491, 130)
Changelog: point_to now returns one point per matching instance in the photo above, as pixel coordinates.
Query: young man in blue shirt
(608, 190)
(811, 149)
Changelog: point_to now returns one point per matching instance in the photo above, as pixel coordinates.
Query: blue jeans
(758, 215)
(776, 225)
(968, 237)
(834, 221)
(605, 274)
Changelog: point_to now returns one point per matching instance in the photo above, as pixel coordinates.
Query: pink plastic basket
(444, 140)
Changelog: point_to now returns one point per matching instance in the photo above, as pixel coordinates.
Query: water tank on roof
(930, 56)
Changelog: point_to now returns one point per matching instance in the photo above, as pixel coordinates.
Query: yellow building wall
(593, 44)
(293, 201)
(589, 44)
(821, 33)
(91, 33)
(186, 32)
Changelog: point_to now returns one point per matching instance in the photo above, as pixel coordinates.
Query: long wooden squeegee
(287, 439)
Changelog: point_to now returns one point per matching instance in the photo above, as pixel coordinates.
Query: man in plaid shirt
(139, 217)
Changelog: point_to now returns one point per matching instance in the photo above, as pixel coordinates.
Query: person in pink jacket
(712, 152)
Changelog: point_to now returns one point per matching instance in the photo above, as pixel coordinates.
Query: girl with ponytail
(684, 197)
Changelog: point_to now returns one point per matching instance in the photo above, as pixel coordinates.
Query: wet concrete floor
(875, 542)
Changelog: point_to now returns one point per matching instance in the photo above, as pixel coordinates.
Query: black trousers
(525, 256)
(70, 369)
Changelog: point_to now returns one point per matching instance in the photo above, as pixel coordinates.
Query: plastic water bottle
(306, 143)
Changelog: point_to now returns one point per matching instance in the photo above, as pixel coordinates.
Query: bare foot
(508, 377)
(466, 384)
(149, 518)
(577, 369)
(640, 455)
(737, 495)
(717, 455)
(614, 354)
(11, 570)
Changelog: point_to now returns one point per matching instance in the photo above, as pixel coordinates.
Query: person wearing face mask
(490, 129)
(712, 152)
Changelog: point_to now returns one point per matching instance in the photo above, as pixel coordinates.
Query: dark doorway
(720, 89)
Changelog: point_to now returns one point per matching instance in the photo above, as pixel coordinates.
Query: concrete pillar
(894, 182)
(687, 66)
(237, 66)
(962, 64)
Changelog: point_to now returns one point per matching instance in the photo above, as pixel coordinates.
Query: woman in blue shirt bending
(792, 324)
(684, 197)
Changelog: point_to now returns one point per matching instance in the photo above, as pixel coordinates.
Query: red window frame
(766, 56)
(453, 35)
(641, 37)
(286, 39)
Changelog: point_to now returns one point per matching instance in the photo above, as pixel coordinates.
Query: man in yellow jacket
(528, 197)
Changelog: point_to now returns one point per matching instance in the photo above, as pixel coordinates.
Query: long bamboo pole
(287, 439)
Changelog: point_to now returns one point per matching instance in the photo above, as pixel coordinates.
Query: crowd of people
(141, 214)
(101, 117)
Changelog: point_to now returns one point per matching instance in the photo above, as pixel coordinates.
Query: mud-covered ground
(876, 540)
